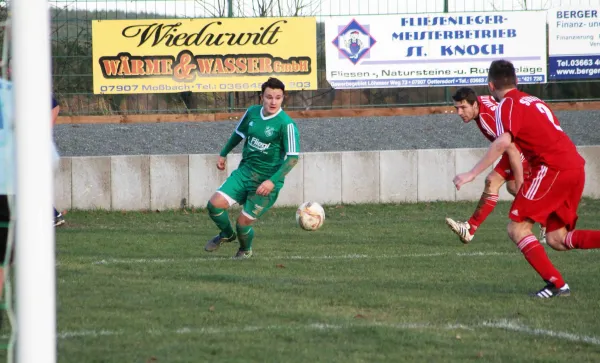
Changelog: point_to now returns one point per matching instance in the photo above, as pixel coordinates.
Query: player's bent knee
(245, 220)
(517, 231)
(493, 182)
(212, 209)
(555, 239)
(511, 231)
(511, 187)
(218, 201)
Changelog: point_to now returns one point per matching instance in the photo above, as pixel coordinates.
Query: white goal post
(34, 249)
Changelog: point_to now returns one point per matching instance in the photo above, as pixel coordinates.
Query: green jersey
(268, 140)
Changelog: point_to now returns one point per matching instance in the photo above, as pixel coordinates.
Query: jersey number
(546, 111)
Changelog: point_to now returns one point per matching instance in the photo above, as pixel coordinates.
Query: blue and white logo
(354, 41)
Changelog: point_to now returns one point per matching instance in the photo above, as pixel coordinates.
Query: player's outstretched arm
(516, 165)
(233, 141)
(266, 187)
(285, 168)
(291, 145)
(237, 136)
(496, 149)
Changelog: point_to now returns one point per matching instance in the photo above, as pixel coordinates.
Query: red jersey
(536, 131)
(486, 121)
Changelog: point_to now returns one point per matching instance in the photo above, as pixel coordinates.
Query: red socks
(583, 239)
(538, 259)
(486, 205)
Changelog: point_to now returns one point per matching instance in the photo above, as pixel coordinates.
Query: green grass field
(378, 283)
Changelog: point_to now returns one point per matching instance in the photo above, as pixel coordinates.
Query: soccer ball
(310, 216)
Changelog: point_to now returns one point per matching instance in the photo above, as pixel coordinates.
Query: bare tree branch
(281, 8)
(262, 7)
(523, 4)
(216, 11)
(240, 7)
(491, 2)
(546, 4)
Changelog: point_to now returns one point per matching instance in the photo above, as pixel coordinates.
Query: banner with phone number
(437, 49)
(574, 46)
(203, 55)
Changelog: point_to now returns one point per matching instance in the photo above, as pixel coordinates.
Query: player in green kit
(271, 149)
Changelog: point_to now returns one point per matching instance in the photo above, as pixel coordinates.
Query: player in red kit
(482, 109)
(550, 194)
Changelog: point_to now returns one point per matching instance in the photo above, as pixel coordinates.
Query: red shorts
(549, 197)
(503, 168)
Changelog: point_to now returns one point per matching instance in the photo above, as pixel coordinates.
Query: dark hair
(502, 74)
(465, 93)
(272, 83)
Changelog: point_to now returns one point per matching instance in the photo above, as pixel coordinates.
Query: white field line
(110, 261)
(514, 326)
(500, 325)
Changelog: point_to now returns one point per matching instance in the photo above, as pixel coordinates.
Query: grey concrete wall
(170, 181)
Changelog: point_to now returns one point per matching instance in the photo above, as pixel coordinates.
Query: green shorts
(241, 186)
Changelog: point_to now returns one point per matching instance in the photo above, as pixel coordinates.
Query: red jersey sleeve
(536, 131)
(486, 120)
(507, 117)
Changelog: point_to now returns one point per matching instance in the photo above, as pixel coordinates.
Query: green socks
(221, 219)
(220, 216)
(245, 236)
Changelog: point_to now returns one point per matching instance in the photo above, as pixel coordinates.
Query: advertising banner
(574, 43)
(442, 49)
(203, 55)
